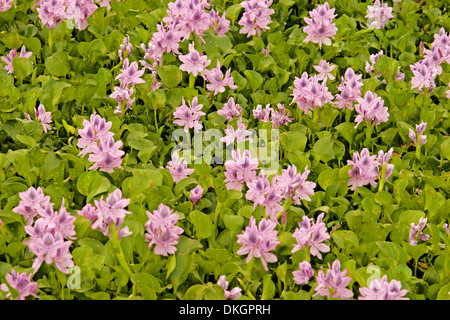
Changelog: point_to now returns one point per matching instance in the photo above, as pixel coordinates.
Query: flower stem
(216, 219)
(382, 178)
(191, 81)
(118, 249)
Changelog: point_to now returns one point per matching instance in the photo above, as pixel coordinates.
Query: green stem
(191, 81)
(418, 146)
(50, 42)
(155, 114)
(119, 253)
(216, 219)
(382, 178)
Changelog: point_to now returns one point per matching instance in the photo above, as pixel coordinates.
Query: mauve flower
(256, 17)
(311, 234)
(258, 241)
(125, 48)
(335, 280)
(22, 283)
(5, 5)
(13, 54)
(378, 15)
(420, 138)
(194, 62)
(381, 289)
(107, 156)
(324, 70)
(178, 168)
(304, 273)
(309, 93)
(230, 109)
(220, 24)
(371, 109)
(415, 232)
(320, 26)
(257, 189)
(189, 116)
(44, 117)
(217, 81)
(196, 194)
(365, 169)
(130, 75)
(229, 294)
(161, 230)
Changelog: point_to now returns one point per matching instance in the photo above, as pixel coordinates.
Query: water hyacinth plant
(224, 150)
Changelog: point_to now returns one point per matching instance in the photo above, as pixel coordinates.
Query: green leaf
(203, 225)
(23, 67)
(58, 64)
(254, 78)
(233, 222)
(346, 239)
(268, 288)
(445, 148)
(92, 183)
(170, 75)
(324, 148)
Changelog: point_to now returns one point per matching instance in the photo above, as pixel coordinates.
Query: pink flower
(125, 48)
(365, 169)
(13, 54)
(5, 5)
(93, 131)
(166, 40)
(335, 280)
(161, 230)
(33, 201)
(44, 117)
(130, 75)
(256, 17)
(420, 138)
(220, 24)
(371, 109)
(381, 289)
(309, 93)
(107, 156)
(231, 109)
(259, 241)
(240, 135)
(272, 202)
(189, 116)
(229, 294)
(51, 12)
(320, 26)
(311, 234)
(324, 70)
(257, 189)
(196, 194)
(370, 67)
(242, 168)
(22, 283)
(378, 15)
(194, 62)
(415, 232)
(217, 81)
(294, 185)
(178, 168)
(304, 273)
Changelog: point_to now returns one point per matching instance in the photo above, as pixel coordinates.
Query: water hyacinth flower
(189, 116)
(196, 194)
(350, 89)
(194, 62)
(312, 235)
(229, 294)
(230, 110)
(419, 139)
(32, 202)
(220, 24)
(415, 232)
(217, 81)
(304, 273)
(364, 171)
(371, 109)
(268, 114)
(309, 93)
(320, 26)
(258, 241)
(381, 289)
(256, 17)
(378, 15)
(107, 156)
(5, 5)
(80, 11)
(324, 69)
(13, 54)
(370, 67)
(166, 39)
(94, 130)
(44, 117)
(240, 169)
(125, 48)
(22, 283)
(178, 168)
(334, 283)
(241, 134)
(130, 75)
(294, 185)
(161, 230)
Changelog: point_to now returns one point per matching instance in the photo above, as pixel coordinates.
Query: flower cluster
(309, 93)
(21, 282)
(230, 110)
(381, 289)
(44, 117)
(258, 241)
(320, 25)
(294, 186)
(239, 135)
(350, 89)
(196, 194)
(48, 233)
(13, 54)
(108, 214)
(52, 12)
(5, 5)
(189, 116)
(334, 283)
(378, 15)
(415, 232)
(269, 114)
(311, 235)
(194, 62)
(162, 231)
(178, 168)
(371, 109)
(229, 294)
(418, 137)
(366, 169)
(256, 17)
(97, 141)
(304, 273)
(217, 81)
(242, 168)
(324, 69)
